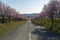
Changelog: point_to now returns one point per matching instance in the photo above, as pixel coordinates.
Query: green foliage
(47, 23)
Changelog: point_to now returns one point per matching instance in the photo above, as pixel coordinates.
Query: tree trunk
(2, 20)
(9, 19)
(51, 24)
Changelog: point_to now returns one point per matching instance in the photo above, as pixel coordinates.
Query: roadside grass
(47, 23)
(10, 26)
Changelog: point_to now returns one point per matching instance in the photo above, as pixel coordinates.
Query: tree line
(50, 10)
(8, 13)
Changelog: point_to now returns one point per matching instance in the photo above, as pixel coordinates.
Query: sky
(26, 6)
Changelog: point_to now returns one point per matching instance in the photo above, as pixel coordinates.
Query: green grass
(9, 26)
(47, 23)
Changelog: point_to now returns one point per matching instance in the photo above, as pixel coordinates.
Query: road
(29, 31)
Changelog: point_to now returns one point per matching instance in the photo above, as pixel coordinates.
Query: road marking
(38, 26)
(29, 36)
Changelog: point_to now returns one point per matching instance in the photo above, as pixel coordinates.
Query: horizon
(26, 6)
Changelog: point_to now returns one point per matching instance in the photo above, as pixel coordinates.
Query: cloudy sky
(26, 6)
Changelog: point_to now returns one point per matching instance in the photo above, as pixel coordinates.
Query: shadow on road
(44, 34)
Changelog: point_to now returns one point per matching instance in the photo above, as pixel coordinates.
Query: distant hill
(29, 15)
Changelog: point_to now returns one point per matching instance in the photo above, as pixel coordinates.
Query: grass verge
(9, 26)
(47, 23)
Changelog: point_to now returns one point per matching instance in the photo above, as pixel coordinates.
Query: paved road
(29, 31)
(22, 33)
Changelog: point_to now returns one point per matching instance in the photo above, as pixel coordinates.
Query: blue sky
(26, 6)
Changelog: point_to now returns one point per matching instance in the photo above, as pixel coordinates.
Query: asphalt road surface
(29, 31)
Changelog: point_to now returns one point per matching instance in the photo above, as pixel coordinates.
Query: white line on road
(38, 26)
(29, 36)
